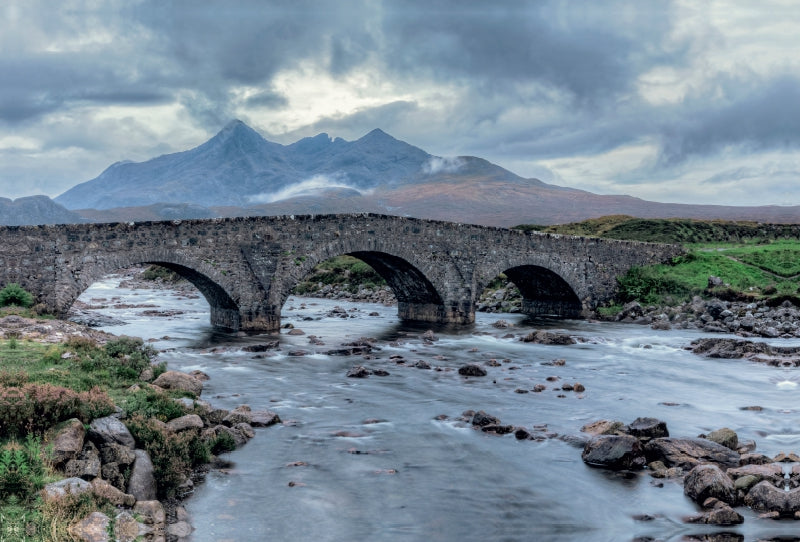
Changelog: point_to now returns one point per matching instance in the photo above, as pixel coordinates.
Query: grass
(673, 230)
(43, 385)
(755, 261)
(749, 272)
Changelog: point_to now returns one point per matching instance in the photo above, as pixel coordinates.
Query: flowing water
(379, 462)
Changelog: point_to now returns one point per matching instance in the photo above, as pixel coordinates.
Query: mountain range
(238, 172)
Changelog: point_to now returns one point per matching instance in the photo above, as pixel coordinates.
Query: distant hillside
(35, 210)
(673, 230)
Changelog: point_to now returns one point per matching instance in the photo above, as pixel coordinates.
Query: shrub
(222, 443)
(173, 455)
(14, 294)
(34, 408)
(152, 404)
(647, 286)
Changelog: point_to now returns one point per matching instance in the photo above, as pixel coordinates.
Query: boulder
(262, 347)
(706, 481)
(92, 528)
(605, 427)
(614, 452)
(142, 483)
(175, 380)
(86, 466)
(547, 337)
(179, 529)
(765, 497)
(68, 442)
(472, 370)
(110, 430)
(68, 486)
(482, 419)
(112, 473)
(726, 437)
(771, 472)
(126, 528)
(189, 421)
(720, 514)
(263, 418)
(715, 307)
(648, 428)
(117, 453)
(151, 512)
(358, 372)
(687, 453)
(103, 489)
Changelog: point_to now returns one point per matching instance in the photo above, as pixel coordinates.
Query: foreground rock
(687, 453)
(709, 481)
(615, 452)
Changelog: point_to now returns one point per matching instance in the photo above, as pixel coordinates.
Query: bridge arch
(547, 287)
(420, 285)
(210, 282)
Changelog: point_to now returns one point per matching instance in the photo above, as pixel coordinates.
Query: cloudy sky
(679, 101)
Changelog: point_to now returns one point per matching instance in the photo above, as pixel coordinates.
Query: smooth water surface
(381, 463)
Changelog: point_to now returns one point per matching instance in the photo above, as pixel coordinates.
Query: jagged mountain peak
(236, 133)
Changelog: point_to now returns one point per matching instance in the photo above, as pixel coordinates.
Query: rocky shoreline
(752, 319)
(104, 459)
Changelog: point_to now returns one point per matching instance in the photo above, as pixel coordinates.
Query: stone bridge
(246, 267)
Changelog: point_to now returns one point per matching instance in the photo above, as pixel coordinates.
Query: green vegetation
(157, 272)
(14, 294)
(673, 230)
(345, 271)
(44, 385)
(754, 261)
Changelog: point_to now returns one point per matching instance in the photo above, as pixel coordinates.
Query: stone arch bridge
(246, 267)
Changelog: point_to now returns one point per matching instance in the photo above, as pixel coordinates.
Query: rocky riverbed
(717, 470)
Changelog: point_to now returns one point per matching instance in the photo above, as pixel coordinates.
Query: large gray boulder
(68, 486)
(142, 483)
(110, 430)
(687, 453)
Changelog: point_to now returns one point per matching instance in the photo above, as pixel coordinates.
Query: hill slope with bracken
(238, 172)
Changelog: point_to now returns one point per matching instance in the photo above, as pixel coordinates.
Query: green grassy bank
(754, 261)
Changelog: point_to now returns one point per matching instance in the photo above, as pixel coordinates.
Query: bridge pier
(551, 307)
(245, 320)
(456, 313)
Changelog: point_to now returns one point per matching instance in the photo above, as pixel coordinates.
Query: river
(386, 459)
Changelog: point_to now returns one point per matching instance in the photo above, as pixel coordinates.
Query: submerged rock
(472, 370)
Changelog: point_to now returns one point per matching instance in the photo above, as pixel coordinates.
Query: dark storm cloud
(757, 117)
(522, 80)
(589, 53)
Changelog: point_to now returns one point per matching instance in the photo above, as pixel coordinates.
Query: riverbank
(98, 440)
